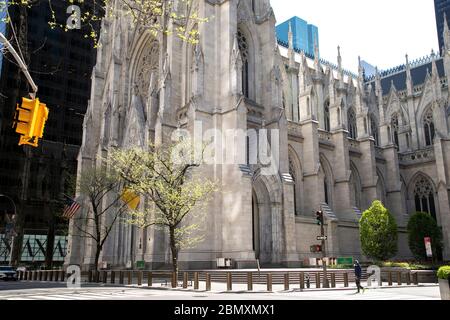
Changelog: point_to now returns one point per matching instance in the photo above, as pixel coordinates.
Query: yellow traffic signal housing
(30, 121)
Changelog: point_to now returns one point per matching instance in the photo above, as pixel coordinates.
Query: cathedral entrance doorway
(262, 224)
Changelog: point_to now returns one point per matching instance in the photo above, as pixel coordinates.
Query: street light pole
(12, 238)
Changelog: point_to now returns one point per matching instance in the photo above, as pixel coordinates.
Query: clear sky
(380, 31)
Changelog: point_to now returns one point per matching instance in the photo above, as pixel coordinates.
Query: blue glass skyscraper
(304, 35)
(441, 7)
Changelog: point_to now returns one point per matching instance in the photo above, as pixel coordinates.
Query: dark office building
(61, 64)
(441, 7)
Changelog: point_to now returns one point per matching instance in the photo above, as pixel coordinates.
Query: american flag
(71, 208)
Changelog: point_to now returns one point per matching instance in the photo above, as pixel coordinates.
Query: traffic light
(30, 121)
(319, 218)
(316, 248)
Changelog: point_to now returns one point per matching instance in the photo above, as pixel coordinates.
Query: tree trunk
(174, 250)
(97, 257)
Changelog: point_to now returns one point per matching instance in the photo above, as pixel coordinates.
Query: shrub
(420, 226)
(378, 232)
(444, 273)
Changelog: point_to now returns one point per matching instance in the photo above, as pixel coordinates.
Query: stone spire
(409, 82)
(316, 55)
(434, 70)
(291, 52)
(340, 70)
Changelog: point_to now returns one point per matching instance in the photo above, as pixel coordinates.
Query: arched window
(351, 120)
(326, 116)
(424, 197)
(294, 178)
(395, 127)
(326, 191)
(243, 48)
(374, 130)
(428, 127)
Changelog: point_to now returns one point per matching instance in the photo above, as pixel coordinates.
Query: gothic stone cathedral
(345, 140)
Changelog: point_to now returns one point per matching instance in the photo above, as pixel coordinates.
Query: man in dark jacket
(358, 275)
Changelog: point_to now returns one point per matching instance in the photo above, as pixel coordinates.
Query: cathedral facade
(345, 140)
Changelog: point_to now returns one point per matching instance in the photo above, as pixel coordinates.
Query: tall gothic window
(395, 127)
(243, 48)
(351, 120)
(294, 178)
(326, 191)
(428, 127)
(326, 115)
(424, 197)
(374, 130)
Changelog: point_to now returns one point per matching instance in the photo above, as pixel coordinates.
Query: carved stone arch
(381, 187)
(267, 217)
(355, 187)
(296, 171)
(145, 61)
(422, 193)
(249, 49)
(326, 178)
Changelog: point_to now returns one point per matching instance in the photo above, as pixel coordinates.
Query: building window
(294, 178)
(325, 190)
(428, 126)
(326, 115)
(243, 48)
(424, 197)
(351, 120)
(395, 127)
(374, 130)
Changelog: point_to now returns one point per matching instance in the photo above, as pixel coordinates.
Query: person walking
(358, 275)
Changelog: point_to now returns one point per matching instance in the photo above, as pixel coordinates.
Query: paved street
(51, 291)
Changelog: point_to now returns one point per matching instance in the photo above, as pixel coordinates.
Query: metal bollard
(90, 276)
(229, 281)
(57, 276)
(399, 278)
(45, 275)
(174, 280)
(317, 280)
(416, 278)
(139, 278)
(302, 280)
(149, 279)
(20, 275)
(249, 281)
(40, 275)
(346, 280)
(208, 282)
(113, 277)
(333, 280)
(63, 275)
(196, 283)
(390, 278)
(286, 282)
(269, 282)
(121, 276)
(408, 278)
(105, 277)
(185, 280)
(26, 276)
(34, 275)
(130, 277)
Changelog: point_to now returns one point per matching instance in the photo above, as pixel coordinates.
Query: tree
(378, 232)
(420, 226)
(158, 16)
(165, 177)
(101, 192)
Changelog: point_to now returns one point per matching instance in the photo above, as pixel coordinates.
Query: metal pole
(324, 264)
(15, 214)
(22, 65)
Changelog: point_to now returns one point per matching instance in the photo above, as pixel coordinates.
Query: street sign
(140, 265)
(428, 247)
(320, 238)
(345, 260)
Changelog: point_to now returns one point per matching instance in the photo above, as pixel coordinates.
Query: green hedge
(444, 273)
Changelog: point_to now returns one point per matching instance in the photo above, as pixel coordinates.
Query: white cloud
(380, 31)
